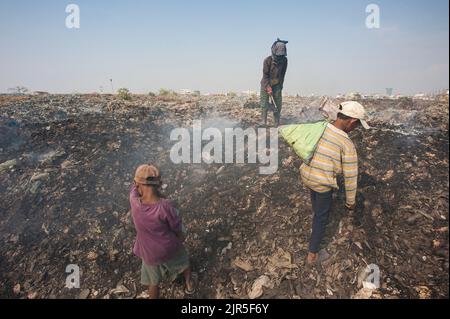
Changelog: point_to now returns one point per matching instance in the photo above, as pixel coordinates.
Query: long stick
(274, 104)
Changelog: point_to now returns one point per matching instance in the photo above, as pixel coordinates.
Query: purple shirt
(155, 225)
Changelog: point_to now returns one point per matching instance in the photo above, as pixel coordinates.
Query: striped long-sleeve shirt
(335, 154)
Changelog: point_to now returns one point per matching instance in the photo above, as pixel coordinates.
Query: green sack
(303, 138)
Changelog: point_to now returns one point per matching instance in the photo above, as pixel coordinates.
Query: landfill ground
(70, 161)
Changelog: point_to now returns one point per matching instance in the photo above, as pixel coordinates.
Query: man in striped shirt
(335, 154)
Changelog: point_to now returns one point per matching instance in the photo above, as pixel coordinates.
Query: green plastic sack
(303, 138)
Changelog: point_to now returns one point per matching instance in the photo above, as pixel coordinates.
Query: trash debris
(227, 248)
(281, 259)
(16, 289)
(257, 287)
(364, 293)
(84, 294)
(244, 265)
(32, 295)
(143, 295)
(424, 292)
(7, 165)
(39, 176)
(92, 255)
(67, 165)
(120, 289)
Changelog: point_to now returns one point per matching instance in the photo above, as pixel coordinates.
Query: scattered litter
(67, 166)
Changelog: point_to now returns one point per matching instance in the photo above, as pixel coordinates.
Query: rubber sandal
(194, 280)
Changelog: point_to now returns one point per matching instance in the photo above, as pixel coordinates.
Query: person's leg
(264, 105)
(151, 277)
(321, 206)
(312, 257)
(153, 292)
(278, 98)
(188, 279)
(180, 264)
(313, 200)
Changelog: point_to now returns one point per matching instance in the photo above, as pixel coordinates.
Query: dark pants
(277, 96)
(321, 205)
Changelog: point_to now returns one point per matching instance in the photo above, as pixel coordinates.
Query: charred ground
(64, 200)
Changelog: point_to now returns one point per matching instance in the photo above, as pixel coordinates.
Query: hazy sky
(215, 46)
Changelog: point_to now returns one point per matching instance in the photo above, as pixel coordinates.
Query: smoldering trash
(67, 164)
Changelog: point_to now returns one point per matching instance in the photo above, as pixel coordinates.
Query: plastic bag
(303, 138)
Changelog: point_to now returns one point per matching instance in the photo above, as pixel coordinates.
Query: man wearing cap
(335, 154)
(159, 238)
(274, 72)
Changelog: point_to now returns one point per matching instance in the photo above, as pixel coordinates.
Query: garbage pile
(66, 167)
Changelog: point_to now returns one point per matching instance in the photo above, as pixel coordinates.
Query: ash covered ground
(67, 163)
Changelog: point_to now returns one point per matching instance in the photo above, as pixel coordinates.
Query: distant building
(186, 92)
(353, 96)
(422, 96)
(443, 96)
(39, 93)
(249, 93)
(389, 91)
(419, 96)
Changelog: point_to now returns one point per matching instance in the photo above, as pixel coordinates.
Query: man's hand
(269, 90)
(350, 207)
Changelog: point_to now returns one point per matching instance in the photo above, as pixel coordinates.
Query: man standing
(274, 71)
(335, 154)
